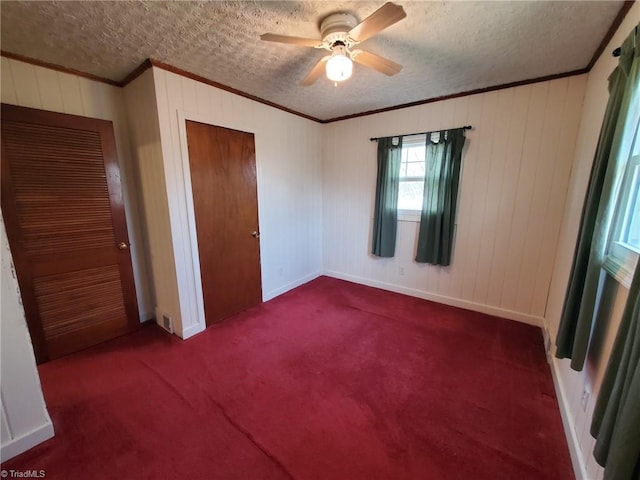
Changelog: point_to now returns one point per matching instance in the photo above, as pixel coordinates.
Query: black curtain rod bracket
(466, 127)
(618, 51)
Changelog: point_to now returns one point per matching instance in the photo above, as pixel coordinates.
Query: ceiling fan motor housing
(336, 27)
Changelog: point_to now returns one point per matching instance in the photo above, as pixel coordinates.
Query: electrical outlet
(584, 400)
(547, 343)
(401, 271)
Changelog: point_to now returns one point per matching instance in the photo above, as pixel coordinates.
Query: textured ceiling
(445, 47)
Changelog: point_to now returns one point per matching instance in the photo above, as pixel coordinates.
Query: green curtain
(616, 417)
(385, 215)
(443, 157)
(580, 299)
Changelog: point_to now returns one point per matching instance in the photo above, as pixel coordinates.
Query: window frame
(420, 140)
(621, 258)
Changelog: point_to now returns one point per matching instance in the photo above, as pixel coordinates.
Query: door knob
(122, 246)
(255, 234)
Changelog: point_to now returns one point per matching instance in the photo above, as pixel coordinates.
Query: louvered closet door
(63, 211)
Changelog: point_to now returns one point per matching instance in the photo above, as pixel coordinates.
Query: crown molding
(58, 68)
(226, 88)
(461, 94)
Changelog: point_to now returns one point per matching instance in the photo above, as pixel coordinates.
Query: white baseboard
(195, 329)
(16, 446)
(455, 302)
(577, 459)
(191, 331)
(289, 286)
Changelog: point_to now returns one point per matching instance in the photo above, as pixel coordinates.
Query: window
(624, 242)
(412, 171)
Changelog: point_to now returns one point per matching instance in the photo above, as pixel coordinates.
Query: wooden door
(223, 180)
(63, 210)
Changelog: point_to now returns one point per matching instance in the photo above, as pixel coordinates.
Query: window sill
(408, 216)
(622, 272)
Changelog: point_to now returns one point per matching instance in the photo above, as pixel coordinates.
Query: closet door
(64, 214)
(225, 201)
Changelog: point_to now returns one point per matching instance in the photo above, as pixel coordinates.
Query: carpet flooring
(332, 380)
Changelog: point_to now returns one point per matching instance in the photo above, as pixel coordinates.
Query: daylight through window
(624, 242)
(412, 170)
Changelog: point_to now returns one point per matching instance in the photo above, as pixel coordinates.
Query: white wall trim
(577, 459)
(192, 330)
(16, 446)
(455, 302)
(290, 286)
(191, 234)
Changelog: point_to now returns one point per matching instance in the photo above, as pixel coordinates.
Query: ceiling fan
(340, 33)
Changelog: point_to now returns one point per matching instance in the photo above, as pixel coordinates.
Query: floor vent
(164, 320)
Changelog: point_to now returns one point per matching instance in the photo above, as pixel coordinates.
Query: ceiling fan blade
(376, 62)
(305, 42)
(384, 17)
(315, 72)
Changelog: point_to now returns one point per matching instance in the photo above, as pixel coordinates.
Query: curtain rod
(618, 51)
(466, 127)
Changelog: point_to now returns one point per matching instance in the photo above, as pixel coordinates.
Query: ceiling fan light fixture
(340, 33)
(339, 66)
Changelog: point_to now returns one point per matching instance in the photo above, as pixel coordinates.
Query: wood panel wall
(144, 129)
(28, 85)
(289, 171)
(516, 169)
(570, 384)
(24, 420)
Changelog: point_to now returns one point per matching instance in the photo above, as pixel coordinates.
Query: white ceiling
(445, 47)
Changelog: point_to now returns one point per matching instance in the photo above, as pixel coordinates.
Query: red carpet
(330, 381)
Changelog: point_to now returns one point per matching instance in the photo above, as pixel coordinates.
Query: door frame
(192, 294)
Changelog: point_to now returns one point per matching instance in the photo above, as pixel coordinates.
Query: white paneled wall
(516, 168)
(289, 171)
(24, 420)
(570, 384)
(31, 86)
(147, 154)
